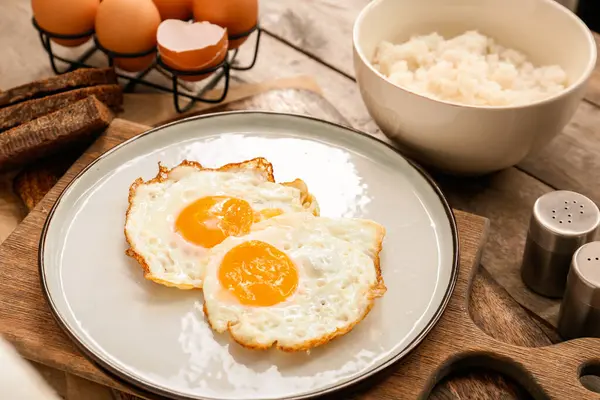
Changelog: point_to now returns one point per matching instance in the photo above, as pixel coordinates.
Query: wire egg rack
(220, 73)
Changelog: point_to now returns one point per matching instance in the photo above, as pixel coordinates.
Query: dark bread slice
(47, 135)
(34, 181)
(79, 78)
(21, 113)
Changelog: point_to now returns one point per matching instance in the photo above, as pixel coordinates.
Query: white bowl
(473, 139)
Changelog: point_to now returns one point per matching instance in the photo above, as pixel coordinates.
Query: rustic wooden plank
(489, 385)
(506, 198)
(572, 159)
(323, 29)
(157, 108)
(277, 60)
(494, 311)
(12, 211)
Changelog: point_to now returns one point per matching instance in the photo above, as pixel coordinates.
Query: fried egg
(295, 282)
(174, 219)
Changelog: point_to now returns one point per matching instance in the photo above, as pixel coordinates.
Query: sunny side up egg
(174, 219)
(295, 282)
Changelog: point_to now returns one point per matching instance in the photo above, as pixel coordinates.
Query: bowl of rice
(471, 86)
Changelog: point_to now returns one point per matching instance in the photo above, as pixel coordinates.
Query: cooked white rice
(468, 69)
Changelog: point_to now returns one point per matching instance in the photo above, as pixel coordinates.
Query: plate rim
(122, 376)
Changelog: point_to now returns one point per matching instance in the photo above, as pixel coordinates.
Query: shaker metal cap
(561, 222)
(586, 273)
(579, 314)
(563, 214)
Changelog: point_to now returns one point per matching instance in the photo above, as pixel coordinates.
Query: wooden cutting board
(26, 319)
(454, 343)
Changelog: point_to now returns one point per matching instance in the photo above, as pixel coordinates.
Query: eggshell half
(190, 47)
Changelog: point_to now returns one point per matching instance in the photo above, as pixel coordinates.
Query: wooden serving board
(457, 342)
(26, 319)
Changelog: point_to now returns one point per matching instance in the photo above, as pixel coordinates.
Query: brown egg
(174, 9)
(237, 16)
(191, 47)
(66, 17)
(128, 26)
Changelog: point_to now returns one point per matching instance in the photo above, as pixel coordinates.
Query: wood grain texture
(301, 24)
(277, 60)
(157, 108)
(506, 198)
(569, 162)
(593, 92)
(12, 210)
(493, 310)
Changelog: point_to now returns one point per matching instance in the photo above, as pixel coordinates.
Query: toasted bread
(21, 113)
(36, 180)
(54, 132)
(77, 79)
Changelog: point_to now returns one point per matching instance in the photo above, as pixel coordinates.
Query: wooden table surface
(313, 37)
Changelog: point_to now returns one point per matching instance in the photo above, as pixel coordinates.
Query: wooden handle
(551, 372)
(501, 317)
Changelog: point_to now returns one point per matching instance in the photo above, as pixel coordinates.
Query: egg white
(166, 256)
(339, 278)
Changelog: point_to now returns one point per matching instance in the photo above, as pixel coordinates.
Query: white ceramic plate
(157, 338)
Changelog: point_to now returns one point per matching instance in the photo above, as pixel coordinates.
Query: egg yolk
(258, 274)
(210, 220)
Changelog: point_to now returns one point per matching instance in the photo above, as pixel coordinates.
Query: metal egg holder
(221, 71)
